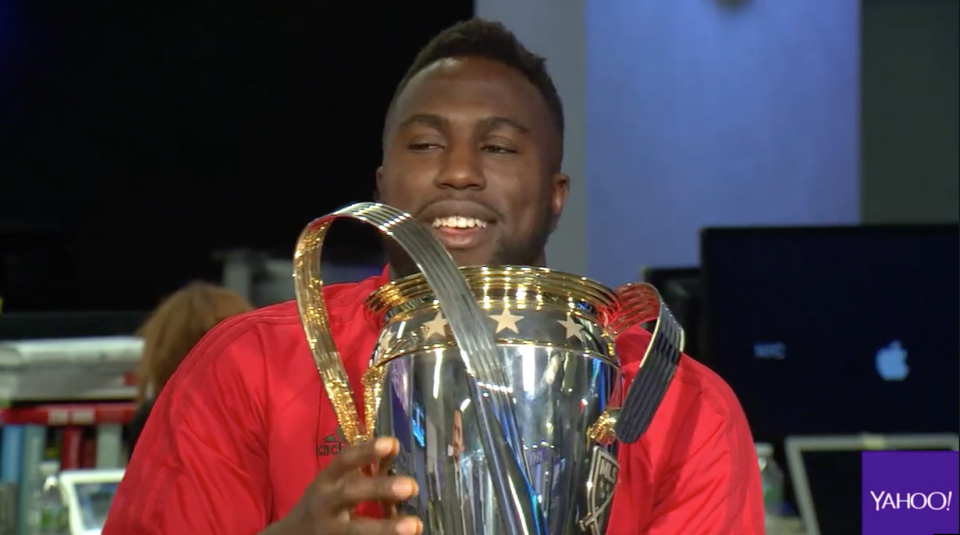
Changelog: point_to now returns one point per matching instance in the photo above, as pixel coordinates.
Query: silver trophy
(502, 384)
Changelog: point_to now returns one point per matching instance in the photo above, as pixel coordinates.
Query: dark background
(137, 138)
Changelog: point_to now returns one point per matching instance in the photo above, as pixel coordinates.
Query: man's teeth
(458, 222)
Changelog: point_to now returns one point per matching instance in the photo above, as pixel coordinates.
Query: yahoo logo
(890, 501)
(917, 501)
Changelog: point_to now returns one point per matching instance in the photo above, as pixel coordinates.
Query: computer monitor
(836, 331)
(680, 289)
(89, 494)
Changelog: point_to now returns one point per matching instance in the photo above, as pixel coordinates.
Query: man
(241, 439)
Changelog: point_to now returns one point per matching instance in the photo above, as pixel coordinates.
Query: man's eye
(423, 146)
(498, 149)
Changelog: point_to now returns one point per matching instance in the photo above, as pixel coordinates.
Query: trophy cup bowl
(502, 384)
(560, 368)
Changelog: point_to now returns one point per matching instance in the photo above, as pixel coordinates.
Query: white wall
(700, 114)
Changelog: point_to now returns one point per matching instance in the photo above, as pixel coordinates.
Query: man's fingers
(341, 486)
(386, 464)
(365, 526)
(353, 491)
(362, 455)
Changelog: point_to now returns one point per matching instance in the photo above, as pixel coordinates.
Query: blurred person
(472, 146)
(171, 331)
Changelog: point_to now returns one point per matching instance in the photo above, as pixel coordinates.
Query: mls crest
(604, 470)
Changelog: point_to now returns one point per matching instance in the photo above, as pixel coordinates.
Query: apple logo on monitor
(892, 362)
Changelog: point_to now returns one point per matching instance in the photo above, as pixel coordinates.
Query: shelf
(69, 370)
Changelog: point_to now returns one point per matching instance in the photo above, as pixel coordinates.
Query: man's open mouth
(459, 222)
(460, 232)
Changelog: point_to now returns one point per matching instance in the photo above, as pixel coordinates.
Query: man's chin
(486, 255)
(471, 258)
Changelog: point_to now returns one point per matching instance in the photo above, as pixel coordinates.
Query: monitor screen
(93, 501)
(824, 331)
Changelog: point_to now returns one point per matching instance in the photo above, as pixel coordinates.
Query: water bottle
(53, 511)
(771, 477)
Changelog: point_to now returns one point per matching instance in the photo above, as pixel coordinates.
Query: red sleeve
(201, 464)
(713, 486)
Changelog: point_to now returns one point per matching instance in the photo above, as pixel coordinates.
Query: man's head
(472, 145)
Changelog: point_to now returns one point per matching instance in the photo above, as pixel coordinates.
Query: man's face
(470, 149)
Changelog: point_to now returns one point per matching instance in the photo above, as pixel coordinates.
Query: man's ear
(558, 197)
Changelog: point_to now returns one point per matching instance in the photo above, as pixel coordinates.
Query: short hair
(480, 38)
(177, 325)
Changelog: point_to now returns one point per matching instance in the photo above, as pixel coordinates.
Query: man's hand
(326, 505)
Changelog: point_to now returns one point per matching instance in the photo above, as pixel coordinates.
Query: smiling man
(243, 440)
(486, 177)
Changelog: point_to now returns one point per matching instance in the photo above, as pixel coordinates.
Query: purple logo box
(910, 492)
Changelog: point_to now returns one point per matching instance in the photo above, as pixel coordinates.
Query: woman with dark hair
(170, 333)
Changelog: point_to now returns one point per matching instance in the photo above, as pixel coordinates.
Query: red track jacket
(235, 436)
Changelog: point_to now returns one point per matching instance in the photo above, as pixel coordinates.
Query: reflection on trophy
(502, 384)
(456, 442)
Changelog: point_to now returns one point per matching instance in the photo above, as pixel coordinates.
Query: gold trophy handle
(478, 346)
(495, 412)
(638, 304)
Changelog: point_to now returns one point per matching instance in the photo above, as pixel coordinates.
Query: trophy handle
(469, 327)
(640, 303)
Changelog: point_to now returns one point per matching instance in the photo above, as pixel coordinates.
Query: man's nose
(462, 168)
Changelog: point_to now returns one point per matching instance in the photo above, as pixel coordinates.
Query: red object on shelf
(70, 448)
(69, 415)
